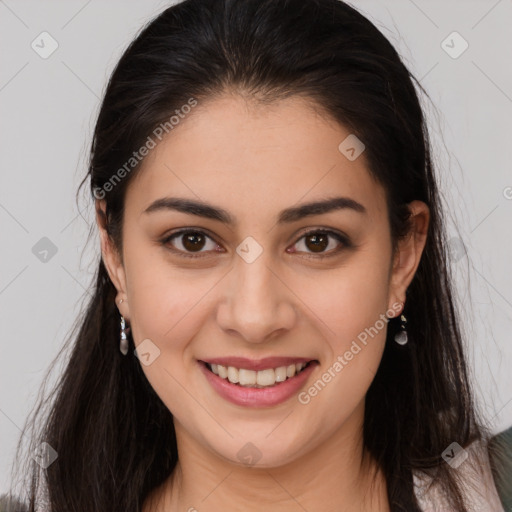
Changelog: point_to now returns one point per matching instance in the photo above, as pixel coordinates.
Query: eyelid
(343, 239)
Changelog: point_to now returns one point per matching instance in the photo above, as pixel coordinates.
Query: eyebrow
(286, 216)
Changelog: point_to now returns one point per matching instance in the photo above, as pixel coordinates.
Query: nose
(257, 305)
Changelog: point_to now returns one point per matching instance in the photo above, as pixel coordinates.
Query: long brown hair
(113, 435)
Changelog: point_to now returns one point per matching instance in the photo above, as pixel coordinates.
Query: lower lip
(257, 397)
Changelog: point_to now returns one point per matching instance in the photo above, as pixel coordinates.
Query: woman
(273, 251)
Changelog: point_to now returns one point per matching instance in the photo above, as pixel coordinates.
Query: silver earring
(123, 346)
(401, 336)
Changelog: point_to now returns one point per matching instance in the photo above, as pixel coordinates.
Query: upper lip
(257, 364)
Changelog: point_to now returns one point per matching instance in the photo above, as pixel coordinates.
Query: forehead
(254, 159)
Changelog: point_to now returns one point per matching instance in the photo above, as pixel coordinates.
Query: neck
(338, 475)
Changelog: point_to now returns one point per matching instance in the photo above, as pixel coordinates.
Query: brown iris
(193, 241)
(319, 242)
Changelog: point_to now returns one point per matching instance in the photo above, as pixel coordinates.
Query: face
(258, 283)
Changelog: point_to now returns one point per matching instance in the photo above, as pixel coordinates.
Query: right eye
(189, 241)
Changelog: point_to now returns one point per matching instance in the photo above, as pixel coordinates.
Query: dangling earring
(123, 346)
(401, 336)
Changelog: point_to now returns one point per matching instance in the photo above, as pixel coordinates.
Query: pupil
(191, 241)
(319, 242)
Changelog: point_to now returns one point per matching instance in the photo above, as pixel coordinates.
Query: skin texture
(254, 161)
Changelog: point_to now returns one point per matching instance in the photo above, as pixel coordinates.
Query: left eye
(321, 243)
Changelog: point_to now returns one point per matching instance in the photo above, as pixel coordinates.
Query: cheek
(350, 299)
(355, 309)
(162, 297)
(353, 305)
(166, 308)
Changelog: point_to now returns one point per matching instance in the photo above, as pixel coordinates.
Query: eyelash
(337, 236)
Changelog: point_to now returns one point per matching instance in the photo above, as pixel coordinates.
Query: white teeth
(223, 371)
(280, 374)
(258, 379)
(266, 377)
(246, 377)
(232, 374)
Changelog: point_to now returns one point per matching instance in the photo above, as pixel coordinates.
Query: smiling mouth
(260, 378)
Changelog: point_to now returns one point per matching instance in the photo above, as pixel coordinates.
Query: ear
(111, 258)
(408, 253)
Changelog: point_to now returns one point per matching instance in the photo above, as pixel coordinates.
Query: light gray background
(48, 108)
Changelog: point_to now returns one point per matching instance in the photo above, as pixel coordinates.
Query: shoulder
(473, 470)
